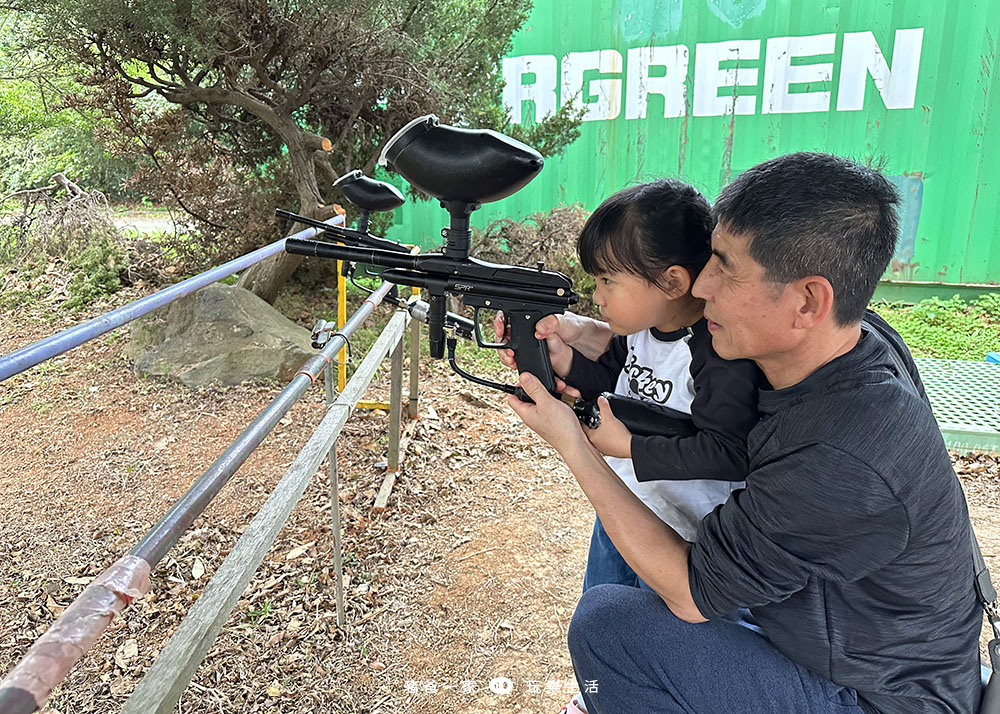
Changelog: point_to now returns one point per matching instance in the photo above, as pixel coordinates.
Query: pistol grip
(531, 353)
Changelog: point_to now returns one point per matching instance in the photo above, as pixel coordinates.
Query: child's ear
(676, 282)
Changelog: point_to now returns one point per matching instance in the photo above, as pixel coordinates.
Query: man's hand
(550, 328)
(652, 548)
(548, 417)
(611, 438)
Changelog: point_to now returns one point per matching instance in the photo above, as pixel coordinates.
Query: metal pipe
(162, 686)
(395, 405)
(164, 534)
(338, 554)
(21, 359)
(26, 687)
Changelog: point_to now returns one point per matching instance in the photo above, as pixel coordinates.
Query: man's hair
(815, 214)
(646, 228)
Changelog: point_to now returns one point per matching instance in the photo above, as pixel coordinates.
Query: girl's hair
(645, 229)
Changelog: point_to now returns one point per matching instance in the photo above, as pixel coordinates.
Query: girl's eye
(606, 281)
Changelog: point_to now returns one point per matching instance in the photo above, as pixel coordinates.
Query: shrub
(61, 247)
(97, 269)
(549, 237)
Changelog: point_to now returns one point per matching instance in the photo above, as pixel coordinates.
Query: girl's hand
(548, 417)
(611, 438)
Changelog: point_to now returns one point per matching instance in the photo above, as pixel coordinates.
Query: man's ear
(815, 302)
(676, 282)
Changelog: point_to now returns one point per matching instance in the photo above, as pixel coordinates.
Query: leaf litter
(461, 589)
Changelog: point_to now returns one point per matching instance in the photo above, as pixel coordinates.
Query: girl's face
(629, 303)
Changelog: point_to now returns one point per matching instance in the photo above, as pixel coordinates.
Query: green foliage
(97, 272)
(947, 329)
(94, 272)
(61, 249)
(257, 617)
(68, 146)
(9, 235)
(23, 286)
(40, 132)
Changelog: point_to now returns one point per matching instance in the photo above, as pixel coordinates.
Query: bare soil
(462, 590)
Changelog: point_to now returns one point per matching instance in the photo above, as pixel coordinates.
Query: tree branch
(213, 95)
(321, 159)
(304, 89)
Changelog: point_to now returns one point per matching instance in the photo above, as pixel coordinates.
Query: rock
(221, 334)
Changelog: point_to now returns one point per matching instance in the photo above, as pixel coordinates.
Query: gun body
(525, 295)
(639, 417)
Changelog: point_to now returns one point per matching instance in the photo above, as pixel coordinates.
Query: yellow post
(342, 355)
(341, 319)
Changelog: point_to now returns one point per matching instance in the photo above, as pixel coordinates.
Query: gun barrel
(372, 256)
(461, 285)
(345, 235)
(439, 274)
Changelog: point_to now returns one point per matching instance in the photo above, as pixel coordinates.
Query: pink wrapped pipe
(52, 656)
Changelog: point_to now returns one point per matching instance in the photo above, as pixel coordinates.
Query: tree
(38, 135)
(315, 85)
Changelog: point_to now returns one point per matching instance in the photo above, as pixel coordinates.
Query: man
(850, 543)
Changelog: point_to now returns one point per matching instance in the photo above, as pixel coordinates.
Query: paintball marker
(463, 169)
(370, 195)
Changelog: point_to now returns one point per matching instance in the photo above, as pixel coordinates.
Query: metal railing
(49, 660)
(21, 359)
(160, 689)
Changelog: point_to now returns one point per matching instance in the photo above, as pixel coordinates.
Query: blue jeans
(631, 654)
(605, 565)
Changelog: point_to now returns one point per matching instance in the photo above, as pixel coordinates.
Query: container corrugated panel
(703, 89)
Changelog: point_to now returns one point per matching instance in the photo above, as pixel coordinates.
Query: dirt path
(145, 223)
(469, 577)
(461, 591)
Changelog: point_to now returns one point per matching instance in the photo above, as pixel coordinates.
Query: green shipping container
(703, 89)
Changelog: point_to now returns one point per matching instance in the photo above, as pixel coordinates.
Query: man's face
(748, 316)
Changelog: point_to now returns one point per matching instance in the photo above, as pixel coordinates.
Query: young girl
(645, 245)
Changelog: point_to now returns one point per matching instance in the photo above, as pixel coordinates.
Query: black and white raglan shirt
(680, 479)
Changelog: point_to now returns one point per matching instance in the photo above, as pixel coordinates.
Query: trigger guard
(479, 335)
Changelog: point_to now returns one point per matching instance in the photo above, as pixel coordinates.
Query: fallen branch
(68, 186)
(28, 192)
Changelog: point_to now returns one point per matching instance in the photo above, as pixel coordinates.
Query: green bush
(70, 147)
(61, 243)
(44, 129)
(97, 272)
(39, 138)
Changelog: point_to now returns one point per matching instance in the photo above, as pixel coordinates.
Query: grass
(256, 617)
(947, 329)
